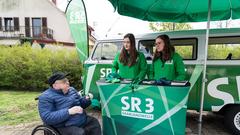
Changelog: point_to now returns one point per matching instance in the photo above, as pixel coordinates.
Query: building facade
(39, 20)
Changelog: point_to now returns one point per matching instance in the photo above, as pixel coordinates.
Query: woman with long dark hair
(166, 62)
(130, 63)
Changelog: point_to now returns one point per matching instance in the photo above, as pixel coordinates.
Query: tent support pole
(204, 79)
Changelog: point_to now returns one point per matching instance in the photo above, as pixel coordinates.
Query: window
(187, 48)
(106, 51)
(8, 23)
(147, 48)
(227, 48)
(36, 24)
(11, 24)
(39, 28)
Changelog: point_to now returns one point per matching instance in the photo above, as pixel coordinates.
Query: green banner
(146, 110)
(77, 20)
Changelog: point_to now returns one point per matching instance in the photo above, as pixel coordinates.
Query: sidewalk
(212, 125)
(26, 129)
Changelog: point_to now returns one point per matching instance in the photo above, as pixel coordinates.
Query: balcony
(8, 32)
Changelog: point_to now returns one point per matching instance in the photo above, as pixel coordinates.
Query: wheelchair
(45, 130)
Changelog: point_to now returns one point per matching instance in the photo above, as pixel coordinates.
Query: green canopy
(178, 10)
(181, 11)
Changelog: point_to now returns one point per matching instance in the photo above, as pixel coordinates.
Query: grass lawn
(18, 107)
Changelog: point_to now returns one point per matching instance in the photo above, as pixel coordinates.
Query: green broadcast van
(222, 91)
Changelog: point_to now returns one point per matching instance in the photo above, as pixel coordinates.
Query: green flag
(77, 20)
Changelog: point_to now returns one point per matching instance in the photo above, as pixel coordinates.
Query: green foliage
(184, 51)
(165, 26)
(18, 107)
(221, 51)
(24, 67)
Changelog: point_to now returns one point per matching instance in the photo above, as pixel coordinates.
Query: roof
(185, 33)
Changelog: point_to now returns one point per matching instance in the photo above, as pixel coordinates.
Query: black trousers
(92, 127)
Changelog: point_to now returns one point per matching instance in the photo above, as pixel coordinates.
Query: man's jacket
(53, 108)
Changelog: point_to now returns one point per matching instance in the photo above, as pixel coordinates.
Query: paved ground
(212, 125)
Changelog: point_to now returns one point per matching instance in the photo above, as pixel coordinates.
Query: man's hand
(89, 96)
(75, 110)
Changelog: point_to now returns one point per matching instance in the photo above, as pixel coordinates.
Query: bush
(24, 67)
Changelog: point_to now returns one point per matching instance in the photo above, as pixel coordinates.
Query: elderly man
(63, 108)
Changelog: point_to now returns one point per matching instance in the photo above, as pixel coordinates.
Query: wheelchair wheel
(44, 130)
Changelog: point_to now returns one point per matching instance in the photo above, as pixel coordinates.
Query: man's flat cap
(56, 76)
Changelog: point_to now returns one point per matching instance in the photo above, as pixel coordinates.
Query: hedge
(24, 67)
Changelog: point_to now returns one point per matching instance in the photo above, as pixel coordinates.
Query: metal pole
(174, 26)
(69, 1)
(204, 79)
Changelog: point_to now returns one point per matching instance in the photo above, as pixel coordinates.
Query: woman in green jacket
(166, 62)
(130, 63)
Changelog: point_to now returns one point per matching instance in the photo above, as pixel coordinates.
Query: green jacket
(173, 69)
(138, 70)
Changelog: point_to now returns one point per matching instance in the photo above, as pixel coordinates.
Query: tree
(165, 26)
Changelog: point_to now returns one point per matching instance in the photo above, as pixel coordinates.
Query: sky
(108, 24)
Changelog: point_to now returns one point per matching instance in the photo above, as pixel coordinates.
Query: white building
(39, 20)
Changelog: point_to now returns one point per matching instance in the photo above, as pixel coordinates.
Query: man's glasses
(63, 81)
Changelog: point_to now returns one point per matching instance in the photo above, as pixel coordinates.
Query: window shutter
(44, 26)
(1, 27)
(16, 23)
(44, 22)
(27, 26)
